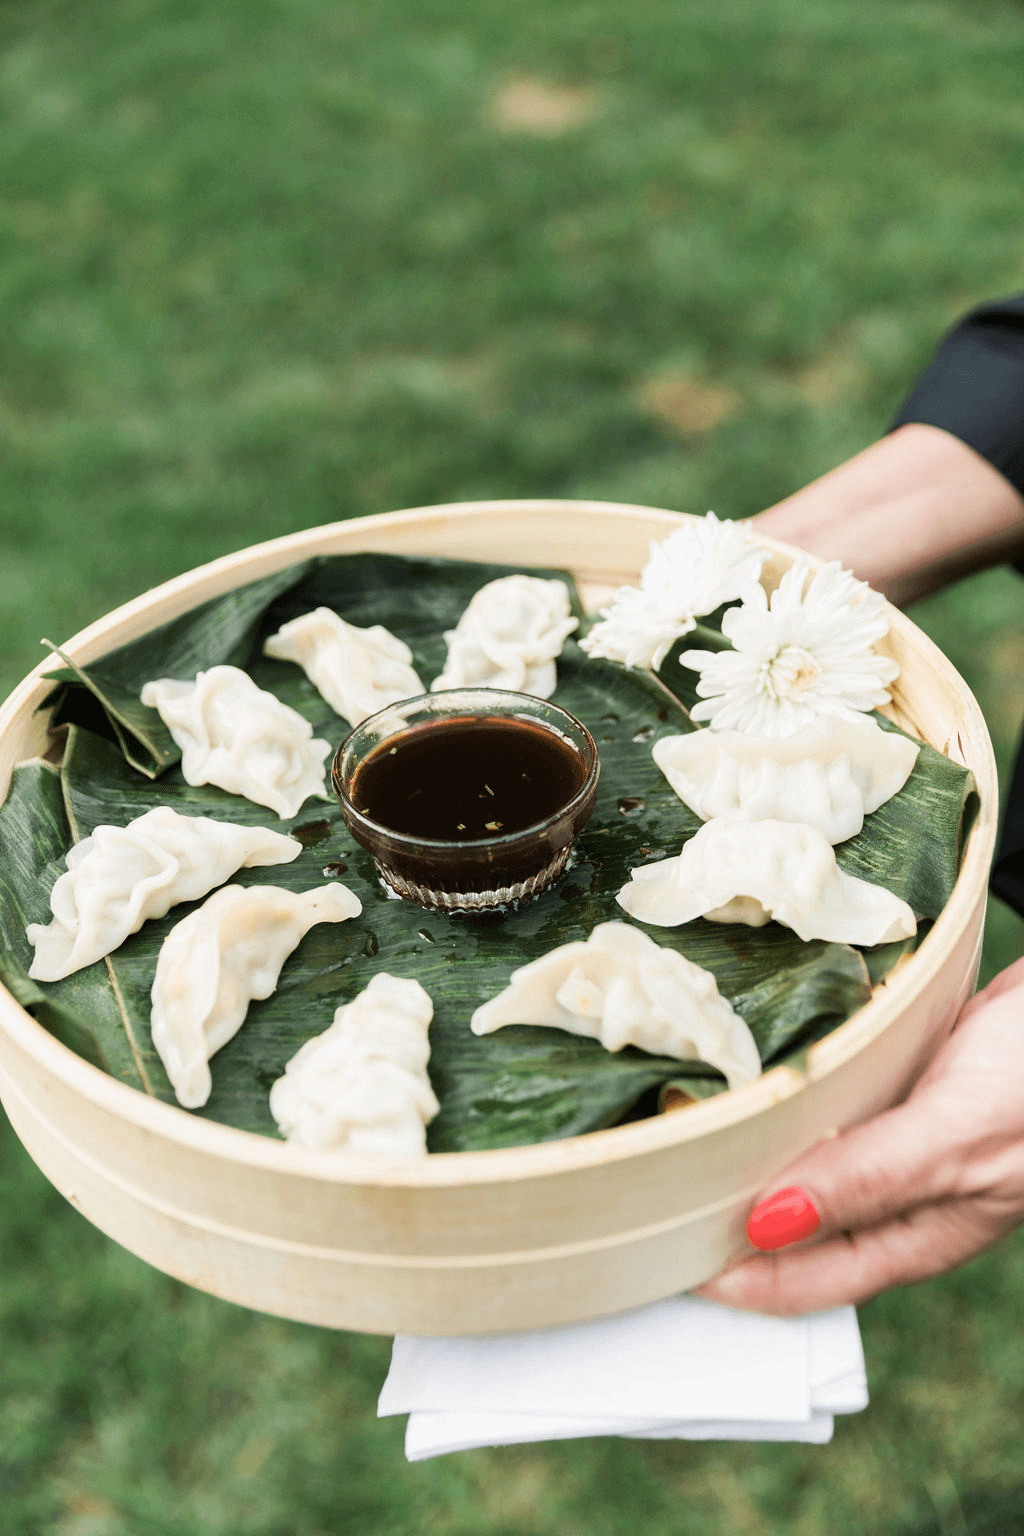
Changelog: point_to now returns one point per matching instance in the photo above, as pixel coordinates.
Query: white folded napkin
(678, 1369)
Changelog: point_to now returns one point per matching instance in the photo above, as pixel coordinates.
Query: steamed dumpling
(215, 961)
(120, 877)
(622, 988)
(828, 775)
(753, 871)
(358, 671)
(241, 738)
(362, 1085)
(510, 637)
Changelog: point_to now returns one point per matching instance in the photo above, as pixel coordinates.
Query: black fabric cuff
(974, 387)
(1008, 870)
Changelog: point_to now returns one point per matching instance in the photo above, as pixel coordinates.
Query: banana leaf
(522, 1084)
(106, 695)
(34, 836)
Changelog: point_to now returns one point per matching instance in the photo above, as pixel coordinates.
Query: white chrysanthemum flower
(635, 631)
(799, 656)
(694, 571)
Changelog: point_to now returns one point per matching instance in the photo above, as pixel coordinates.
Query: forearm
(915, 511)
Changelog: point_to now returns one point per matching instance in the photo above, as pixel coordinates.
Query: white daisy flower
(799, 656)
(694, 571)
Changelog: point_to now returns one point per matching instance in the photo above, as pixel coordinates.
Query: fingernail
(786, 1217)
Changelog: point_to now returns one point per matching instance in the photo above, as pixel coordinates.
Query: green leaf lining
(524, 1083)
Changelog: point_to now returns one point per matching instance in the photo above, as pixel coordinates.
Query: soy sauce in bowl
(465, 778)
(468, 799)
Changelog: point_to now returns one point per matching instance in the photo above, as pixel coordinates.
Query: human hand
(908, 1195)
(911, 513)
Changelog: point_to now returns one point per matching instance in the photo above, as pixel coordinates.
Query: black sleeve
(974, 386)
(1008, 869)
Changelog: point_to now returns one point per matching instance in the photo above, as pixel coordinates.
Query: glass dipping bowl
(468, 800)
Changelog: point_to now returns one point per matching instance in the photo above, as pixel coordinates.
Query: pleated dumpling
(620, 987)
(120, 877)
(753, 871)
(510, 636)
(362, 1085)
(215, 961)
(828, 775)
(241, 738)
(358, 671)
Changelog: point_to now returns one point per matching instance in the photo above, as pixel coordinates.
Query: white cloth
(678, 1369)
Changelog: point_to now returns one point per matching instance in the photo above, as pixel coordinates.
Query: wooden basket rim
(446, 1169)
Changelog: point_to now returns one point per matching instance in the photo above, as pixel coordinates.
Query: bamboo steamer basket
(515, 1238)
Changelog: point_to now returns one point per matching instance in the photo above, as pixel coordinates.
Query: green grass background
(268, 264)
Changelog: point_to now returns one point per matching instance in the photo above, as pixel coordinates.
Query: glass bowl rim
(499, 840)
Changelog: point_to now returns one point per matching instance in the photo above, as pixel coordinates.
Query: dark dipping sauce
(469, 799)
(468, 779)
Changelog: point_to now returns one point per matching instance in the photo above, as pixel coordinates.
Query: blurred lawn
(266, 265)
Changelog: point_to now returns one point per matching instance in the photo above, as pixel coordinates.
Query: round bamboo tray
(485, 1241)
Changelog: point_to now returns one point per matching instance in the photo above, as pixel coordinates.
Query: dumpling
(828, 775)
(358, 671)
(362, 1085)
(215, 961)
(241, 738)
(753, 871)
(622, 988)
(510, 637)
(120, 877)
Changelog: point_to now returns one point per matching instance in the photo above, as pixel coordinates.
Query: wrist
(911, 513)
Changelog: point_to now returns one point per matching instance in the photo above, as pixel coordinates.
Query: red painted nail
(786, 1217)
